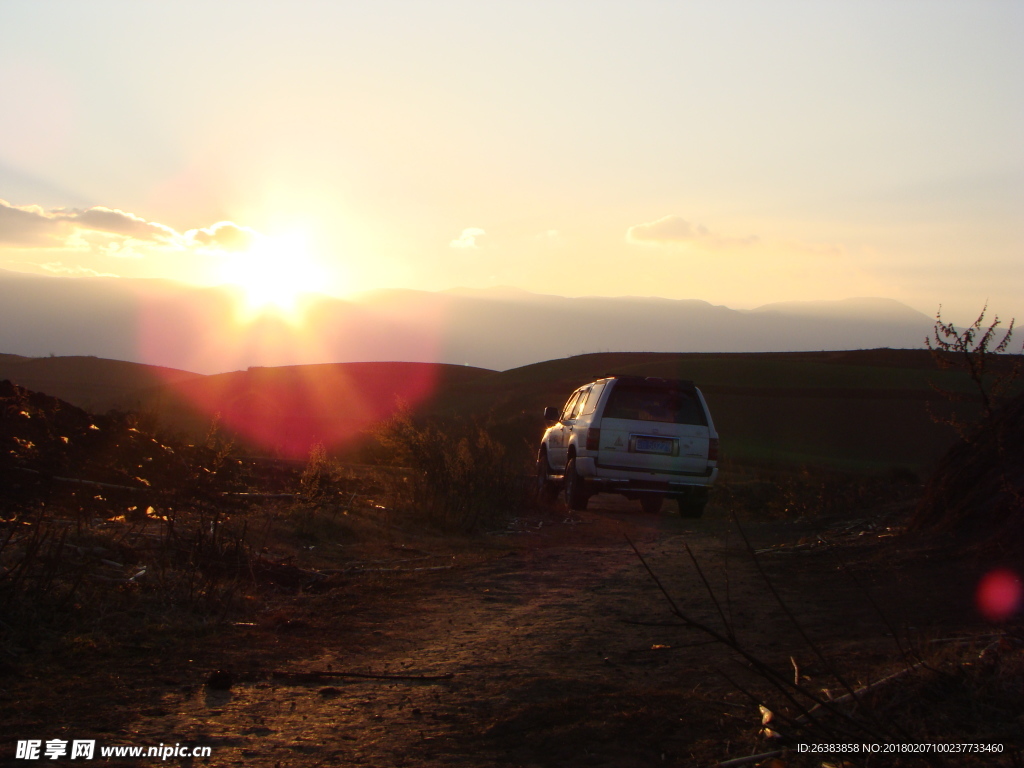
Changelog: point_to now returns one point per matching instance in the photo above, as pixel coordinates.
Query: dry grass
(456, 477)
(189, 535)
(775, 493)
(921, 690)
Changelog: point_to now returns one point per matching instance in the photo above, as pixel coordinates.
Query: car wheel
(651, 503)
(692, 503)
(546, 490)
(575, 494)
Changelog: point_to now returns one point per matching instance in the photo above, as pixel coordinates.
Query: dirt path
(539, 633)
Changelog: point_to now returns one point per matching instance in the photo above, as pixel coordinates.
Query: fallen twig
(80, 481)
(400, 560)
(659, 648)
(853, 695)
(358, 569)
(785, 550)
(655, 623)
(966, 640)
(249, 495)
(749, 759)
(317, 674)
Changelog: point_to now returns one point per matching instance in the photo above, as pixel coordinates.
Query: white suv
(645, 438)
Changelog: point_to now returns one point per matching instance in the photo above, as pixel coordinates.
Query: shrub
(459, 477)
(971, 351)
(317, 477)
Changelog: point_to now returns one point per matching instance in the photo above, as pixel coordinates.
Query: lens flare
(291, 392)
(999, 595)
(290, 409)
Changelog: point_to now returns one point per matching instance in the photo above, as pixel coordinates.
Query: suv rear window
(644, 402)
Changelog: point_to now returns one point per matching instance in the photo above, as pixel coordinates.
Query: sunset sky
(738, 152)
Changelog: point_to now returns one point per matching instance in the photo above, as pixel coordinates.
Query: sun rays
(273, 276)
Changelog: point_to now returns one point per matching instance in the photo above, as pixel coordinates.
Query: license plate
(652, 445)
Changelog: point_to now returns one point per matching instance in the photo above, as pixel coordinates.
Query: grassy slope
(302, 404)
(93, 383)
(862, 409)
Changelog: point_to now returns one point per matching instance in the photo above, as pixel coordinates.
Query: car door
(560, 434)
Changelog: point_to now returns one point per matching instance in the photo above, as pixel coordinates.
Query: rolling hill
(285, 411)
(93, 383)
(861, 409)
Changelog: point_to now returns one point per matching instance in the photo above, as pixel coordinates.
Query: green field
(856, 410)
(864, 410)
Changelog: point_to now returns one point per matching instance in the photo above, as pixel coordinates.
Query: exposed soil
(551, 643)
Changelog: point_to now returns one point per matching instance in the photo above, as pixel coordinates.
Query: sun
(274, 275)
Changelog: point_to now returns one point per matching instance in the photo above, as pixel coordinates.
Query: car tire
(651, 503)
(692, 503)
(575, 493)
(546, 490)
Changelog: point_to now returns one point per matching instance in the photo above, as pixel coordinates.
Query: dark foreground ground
(550, 644)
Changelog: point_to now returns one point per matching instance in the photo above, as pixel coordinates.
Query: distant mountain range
(196, 329)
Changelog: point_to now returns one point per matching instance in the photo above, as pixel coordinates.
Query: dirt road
(551, 645)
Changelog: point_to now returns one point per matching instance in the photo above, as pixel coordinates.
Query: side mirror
(551, 413)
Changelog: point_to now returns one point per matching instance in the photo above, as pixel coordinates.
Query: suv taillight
(593, 439)
(713, 449)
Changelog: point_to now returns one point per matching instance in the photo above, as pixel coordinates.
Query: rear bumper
(607, 479)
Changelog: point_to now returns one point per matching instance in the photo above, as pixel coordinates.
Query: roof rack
(634, 379)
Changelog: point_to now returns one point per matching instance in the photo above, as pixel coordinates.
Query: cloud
(59, 268)
(34, 227)
(117, 222)
(112, 232)
(468, 238)
(28, 226)
(668, 229)
(671, 230)
(225, 235)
